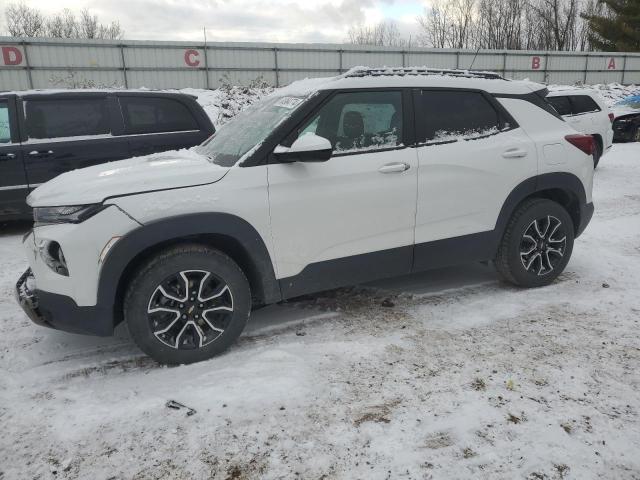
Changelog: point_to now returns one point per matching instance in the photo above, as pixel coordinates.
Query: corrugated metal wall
(36, 63)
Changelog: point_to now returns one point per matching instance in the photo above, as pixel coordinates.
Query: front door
(13, 180)
(351, 218)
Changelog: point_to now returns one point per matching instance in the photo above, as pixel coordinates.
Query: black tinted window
(154, 114)
(448, 115)
(583, 104)
(5, 130)
(72, 117)
(359, 121)
(561, 104)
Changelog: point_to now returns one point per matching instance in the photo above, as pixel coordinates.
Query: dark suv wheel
(187, 304)
(536, 245)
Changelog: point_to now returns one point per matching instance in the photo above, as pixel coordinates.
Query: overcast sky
(243, 20)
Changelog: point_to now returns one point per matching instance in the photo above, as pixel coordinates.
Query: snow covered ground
(447, 374)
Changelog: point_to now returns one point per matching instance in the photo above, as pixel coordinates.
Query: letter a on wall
(611, 64)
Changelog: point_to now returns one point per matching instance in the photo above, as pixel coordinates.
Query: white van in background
(586, 111)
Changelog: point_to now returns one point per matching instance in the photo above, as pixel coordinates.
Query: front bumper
(59, 311)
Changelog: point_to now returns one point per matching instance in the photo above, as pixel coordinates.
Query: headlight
(70, 214)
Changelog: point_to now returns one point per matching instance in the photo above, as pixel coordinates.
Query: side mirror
(307, 148)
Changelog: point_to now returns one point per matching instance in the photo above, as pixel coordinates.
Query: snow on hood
(175, 169)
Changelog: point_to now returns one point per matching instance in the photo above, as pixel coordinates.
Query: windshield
(247, 130)
(631, 102)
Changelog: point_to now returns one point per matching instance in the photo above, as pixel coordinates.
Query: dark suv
(46, 133)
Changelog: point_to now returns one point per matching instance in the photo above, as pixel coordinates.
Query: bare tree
(383, 34)
(23, 21)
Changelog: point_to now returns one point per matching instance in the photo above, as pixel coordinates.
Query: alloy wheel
(190, 309)
(543, 245)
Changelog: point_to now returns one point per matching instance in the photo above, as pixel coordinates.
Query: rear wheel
(187, 304)
(636, 135)
(536, 245)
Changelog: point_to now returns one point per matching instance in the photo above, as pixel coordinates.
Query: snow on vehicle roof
(59, 91)
(385, 77)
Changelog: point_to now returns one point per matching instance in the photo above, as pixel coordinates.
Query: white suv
(586, 111)
(325, 183)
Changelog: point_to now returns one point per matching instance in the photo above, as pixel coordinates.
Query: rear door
(66, 132)
(13, 180)
(158, 124)
(471, 155)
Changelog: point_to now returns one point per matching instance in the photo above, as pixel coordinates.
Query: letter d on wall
(11, 56)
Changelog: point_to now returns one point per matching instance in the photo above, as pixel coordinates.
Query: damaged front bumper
(59, 311)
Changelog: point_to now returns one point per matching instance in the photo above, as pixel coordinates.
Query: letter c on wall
(191, 58)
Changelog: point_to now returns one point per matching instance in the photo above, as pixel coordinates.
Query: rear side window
(450, 115)
(5, 130)
(156, 115)
(561, 104)
(68, 117)
(583, 104)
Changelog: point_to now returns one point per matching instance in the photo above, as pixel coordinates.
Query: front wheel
(187, 304)
(536, 245)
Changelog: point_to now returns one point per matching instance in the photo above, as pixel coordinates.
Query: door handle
(40, 153)
(7, 156)
(396, 167)
(514, 153)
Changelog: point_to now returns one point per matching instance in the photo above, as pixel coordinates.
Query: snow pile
(227, 101)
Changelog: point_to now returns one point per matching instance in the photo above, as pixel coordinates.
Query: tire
(522, 241)
(175, 326)
(597, 153)
(636, 135)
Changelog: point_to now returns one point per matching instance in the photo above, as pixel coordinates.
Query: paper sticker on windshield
(288, 102)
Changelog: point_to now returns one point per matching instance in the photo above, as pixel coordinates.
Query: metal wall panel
(13, 79)
(235, 58)
(434, 60)
(183, 64)
(73, 56)
(373, 59)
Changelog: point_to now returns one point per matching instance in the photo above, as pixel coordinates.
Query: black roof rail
(415, 71)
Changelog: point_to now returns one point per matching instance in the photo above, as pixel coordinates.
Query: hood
(176, 169)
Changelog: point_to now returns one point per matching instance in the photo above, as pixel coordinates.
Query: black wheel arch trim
(197, 227)
(563, 181)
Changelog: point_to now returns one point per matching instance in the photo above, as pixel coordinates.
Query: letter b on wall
(11, 56)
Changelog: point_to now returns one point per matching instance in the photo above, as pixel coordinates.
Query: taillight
(611, 117)
(583, 142)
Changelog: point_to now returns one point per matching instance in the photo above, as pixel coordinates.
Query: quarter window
(583, 104)
(359, 121)
(72, 117)
(156, 115)
(449, 115)
(5, 129)
(561, 104)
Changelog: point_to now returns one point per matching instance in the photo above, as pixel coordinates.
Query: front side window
(561, 104)
(156, 115)
(5, 128)
(583, 104)
(447, 116)
(359, 121)
(69, 117)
